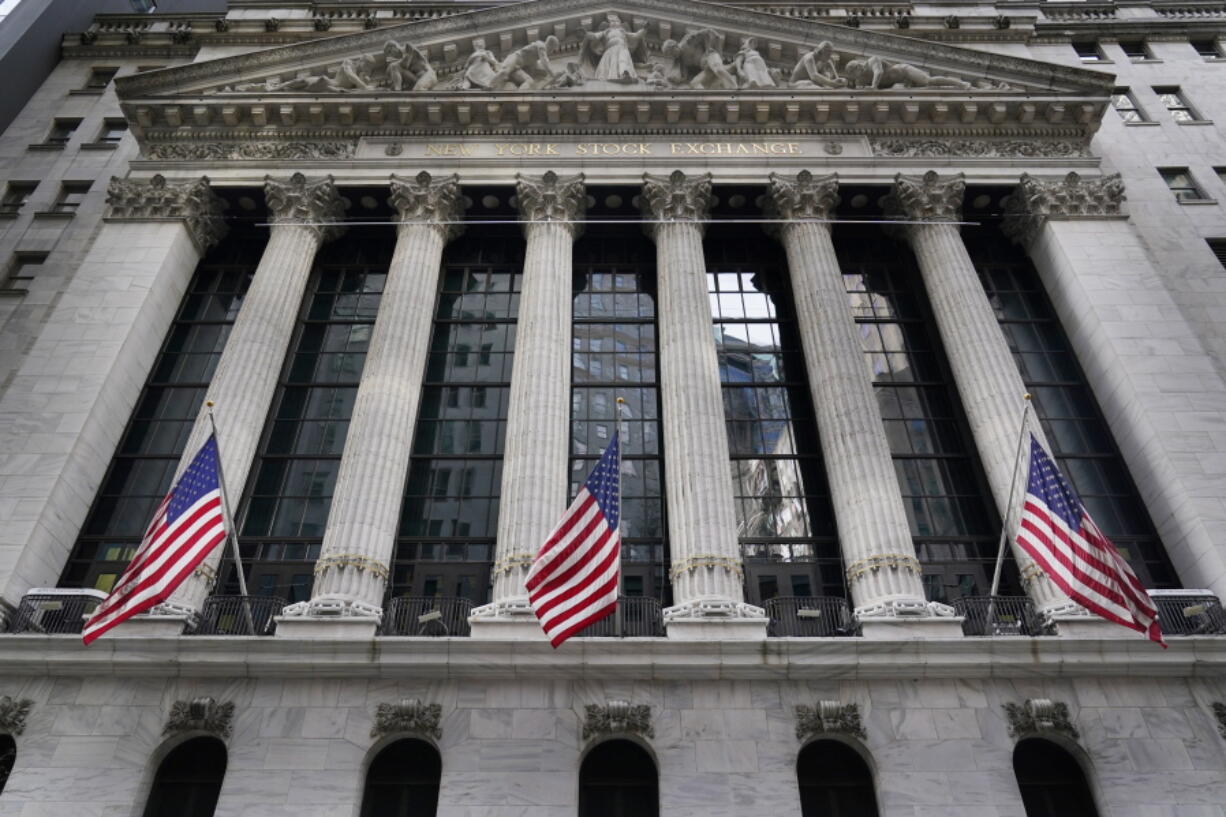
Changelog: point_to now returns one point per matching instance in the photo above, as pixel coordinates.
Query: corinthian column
(707, 577)
(352, 570)
(534, 463)
(882, 571)
(988, 381)
(304, 213)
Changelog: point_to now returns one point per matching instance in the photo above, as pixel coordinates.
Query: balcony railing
(238, 615)
(54, 610)
(1189, 612)
(427, 616)
(998, 615)
(636, 617)
(809, 617)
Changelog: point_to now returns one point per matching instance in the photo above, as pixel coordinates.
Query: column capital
(927, 198)
(1035, 201)
(805, 197)
(552, 198)
(194, 202)
(676, 197)
(426, 200)
(313, 203)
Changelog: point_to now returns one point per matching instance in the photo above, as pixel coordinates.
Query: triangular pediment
(618, 64)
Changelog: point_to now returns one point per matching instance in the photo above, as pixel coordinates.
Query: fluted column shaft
(988, 381)
(352, 571)
(706, 560)
(246, 378)
(534, 464)
(883, 574)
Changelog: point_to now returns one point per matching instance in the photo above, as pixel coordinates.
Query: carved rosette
(617, 718)
(1219, 712)
(200, 715)
(158, 200)
(425, 200)
(1037, 715)
(410, 715)
(677, 198)
(807, 197)
(927, 198)
(828, 717)
(552, 198)
(1035, 201)
(312, 203)
(13, 714)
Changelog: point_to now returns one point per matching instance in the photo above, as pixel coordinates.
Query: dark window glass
(15, 195)
(1051, 781)
(1217, 246)
(834, 781)
(614, 355)
(450, 511)
(143, 466)
(99, 78)
(1088, 51)
(953, 521)
(1176, 103)
(8, 756)
(188, 781)
(618, 779)
(295, 470)
(71, 196)
(1080, 438)
(1126, 105)
(113, 131)
(1135, 50)
(1207, 48)
(61, 131)
(1181, 183)
(403, 781)
(25, 267)
(784, 518)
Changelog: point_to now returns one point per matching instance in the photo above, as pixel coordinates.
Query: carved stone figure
(407, 68)
(610, 53)
(698, 61)
(874, 72)
(480, 68)
(527, 68)
(571, 77)
(818, 69)
(657, 78)
(751, 70)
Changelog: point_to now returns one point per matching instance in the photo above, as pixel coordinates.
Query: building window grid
(1125, 104)
(149, 450)
(784, 511)
(15, 196)
(1176, 104)
(1080, 438)
(1181, 183)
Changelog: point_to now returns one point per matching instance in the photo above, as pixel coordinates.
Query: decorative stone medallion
(13, 714)
(409, 715)
(203, 714)
(828, 718)
(1038, 715)
(617, 717)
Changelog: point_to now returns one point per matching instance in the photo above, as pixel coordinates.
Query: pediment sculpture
(612, 56)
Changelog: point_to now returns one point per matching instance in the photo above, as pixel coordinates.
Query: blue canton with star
(199, 479)
(602, 483)
(1049, 485)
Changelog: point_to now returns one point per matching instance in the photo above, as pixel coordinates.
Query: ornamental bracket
(828, 718)
(1038, 715)
(202, 714)
(409, 715)
(617, 718)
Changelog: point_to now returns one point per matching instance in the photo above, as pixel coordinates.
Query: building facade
(835, 261)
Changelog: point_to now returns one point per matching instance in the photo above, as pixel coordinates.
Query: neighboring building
(415, 252)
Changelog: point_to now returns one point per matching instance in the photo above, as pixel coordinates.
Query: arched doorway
(188, 781)
(618, 778)
(8, 755)
(403, 781)
(834, 781)
(1051, 781)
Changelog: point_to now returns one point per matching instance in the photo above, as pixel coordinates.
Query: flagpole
(1004, 527)
(231, 531)
(621, 578)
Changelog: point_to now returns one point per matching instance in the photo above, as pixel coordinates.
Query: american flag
(1058, 534)
(187, 525)
(574, 580)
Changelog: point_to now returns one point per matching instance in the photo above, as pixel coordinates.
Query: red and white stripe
(171, 550)
(574, 580)
(1087, 567)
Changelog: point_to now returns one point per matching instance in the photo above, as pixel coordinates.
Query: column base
(506, 620)
(353, 628)
(1074, 621)
(715, 619)
(153, 626)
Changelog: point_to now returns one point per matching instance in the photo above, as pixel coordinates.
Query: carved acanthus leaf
(313, 203)
(617, 718)
(927, 197)
(677, 197)
(425, 200)
(805, 197)
(551, 198)
(200, 715)
(1037, 715)
(223, 151)
(828, 717)
(1034, 201)
(156, 199)
(1005, 148)
(410, 716)
(13, 714)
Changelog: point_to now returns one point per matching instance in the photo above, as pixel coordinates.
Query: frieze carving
(1219, 712)
(929, 197)
(312, 203)
(409, 715)
(157, 199)
(200, 715)
(224, 151)
(677, 197)
(828, 717)
(1034, 201)
(551, 198)
(1004, 148)
(13, 714)
(425, 200)
(805, 197)
(1037, 715)
(617, 718)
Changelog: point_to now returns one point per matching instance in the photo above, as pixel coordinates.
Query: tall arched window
(618, 779)
(188, 781)
(403, 781)
(1051, 781)
(8, 754)
(834, 781)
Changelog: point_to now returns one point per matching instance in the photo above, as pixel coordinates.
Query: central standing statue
(610, 53)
